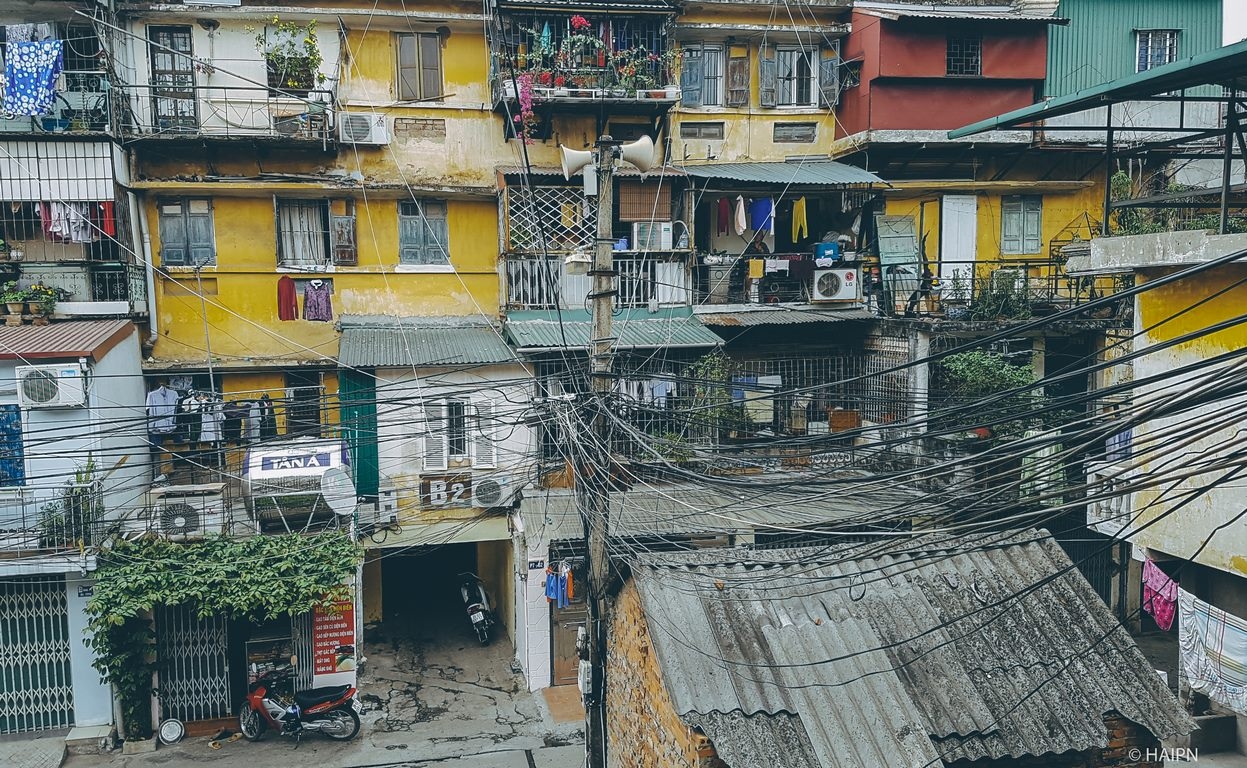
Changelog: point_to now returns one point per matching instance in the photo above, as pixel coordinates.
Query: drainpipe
(138, 222)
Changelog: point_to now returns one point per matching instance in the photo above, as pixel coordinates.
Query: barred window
(965, 56)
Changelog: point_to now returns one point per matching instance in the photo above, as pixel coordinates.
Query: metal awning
(391, 342)
(897, 11)
(742, 315)
(821, 173)
(672, 327)
(1224, 66)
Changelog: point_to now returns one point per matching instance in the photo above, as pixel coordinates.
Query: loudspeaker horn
(574, 160)
(639, 153)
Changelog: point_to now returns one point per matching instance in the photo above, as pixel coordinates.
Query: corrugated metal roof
(684, 510)
(1222, 66)
(823, 173)
(985, 11)
(656, 6)
(390, 342)
(76, 338)
(634, 328)
(734, 316)
(938, 660)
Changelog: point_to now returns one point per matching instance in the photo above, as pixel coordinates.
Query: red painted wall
(904, 85)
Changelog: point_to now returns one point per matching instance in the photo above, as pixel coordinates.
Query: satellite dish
(338, 489)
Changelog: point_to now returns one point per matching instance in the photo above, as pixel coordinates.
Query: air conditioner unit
(493, 492)
(363, 128)
(839, 284)
(183, 513)
(51, 386)
(652, 235)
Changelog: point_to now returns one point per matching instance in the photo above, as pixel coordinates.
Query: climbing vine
(255, 578)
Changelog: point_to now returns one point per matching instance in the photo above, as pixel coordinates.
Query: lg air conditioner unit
(493, 492)
(363, 128)
(183, 513)
(840, 284)
(51, 386)
(652, 235)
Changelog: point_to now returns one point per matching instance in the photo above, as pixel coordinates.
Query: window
(460, 431)
(1020, 220)
(1157, 47)
(701, 75)
(965, 56)
(795, 133)
(797, 84)
(186, 233)
(303, 234)
(304, 395)
(423, 235)
(713, 131)
(419, 67)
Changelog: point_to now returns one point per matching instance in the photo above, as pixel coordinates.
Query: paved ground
(44, 752)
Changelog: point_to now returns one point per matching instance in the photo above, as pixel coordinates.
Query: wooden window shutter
(738, 76)
(1011, 225)
(829, 76)
(1032, 233)
(483, 435)
(342, 230)
(644, 202)
(435, 434)
(173, 236)
(692, 76)
(768, 78)
(430, 66)
(199, 232)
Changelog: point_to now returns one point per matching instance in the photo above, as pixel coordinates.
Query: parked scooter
(476, 602)
(332, 710)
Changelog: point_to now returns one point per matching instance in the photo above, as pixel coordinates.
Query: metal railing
(150, 111)
(65, 517)
(536, 283)
(82, 106)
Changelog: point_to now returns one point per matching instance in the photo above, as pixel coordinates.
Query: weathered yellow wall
(373, 606)
(495, 566)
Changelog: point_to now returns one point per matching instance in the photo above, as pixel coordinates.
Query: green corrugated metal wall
(357, 393)
(1099, 44)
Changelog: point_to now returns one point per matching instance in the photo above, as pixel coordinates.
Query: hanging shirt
(316, 302)
(162, 408)
(210, 423)
(30, 71)
(762, 215)
(1160, 595)
(739, 224)
(287, 300)
(69, 222)
(725, 216)
(800, 228)
(268, 418)
(254, 412)
(565, 578)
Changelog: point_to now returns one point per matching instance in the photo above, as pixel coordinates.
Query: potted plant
(291, 54)
(43, 298)
(14, 298)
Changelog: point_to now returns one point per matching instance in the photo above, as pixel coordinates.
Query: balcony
(82, 107)
(192, 113)
(95, 290)
(658, 278)
(50, 521)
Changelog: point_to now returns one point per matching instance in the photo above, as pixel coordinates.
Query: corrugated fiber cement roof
(927, 652)
(821, 173)
(532, 330)
(390, 342)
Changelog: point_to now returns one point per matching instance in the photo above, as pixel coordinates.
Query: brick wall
(1126, 740)
(643, 729)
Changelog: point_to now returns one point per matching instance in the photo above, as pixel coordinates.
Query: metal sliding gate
(36, 692)
(301, 643)
(194, 672)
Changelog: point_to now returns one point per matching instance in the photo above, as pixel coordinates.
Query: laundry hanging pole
(203, 312)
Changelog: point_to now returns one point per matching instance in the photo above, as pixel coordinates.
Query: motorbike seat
(314, 696)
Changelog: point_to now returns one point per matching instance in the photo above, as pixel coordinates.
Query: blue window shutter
(829, 76)
(199, 238)
(410, 240)
(768, 79)
(173, 236)
(692, 76)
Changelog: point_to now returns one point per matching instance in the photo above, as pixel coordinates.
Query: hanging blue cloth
(12, 456)
(563, 601)
(552, 585)
(30, 71)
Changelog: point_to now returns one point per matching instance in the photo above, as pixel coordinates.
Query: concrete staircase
(1214, 744)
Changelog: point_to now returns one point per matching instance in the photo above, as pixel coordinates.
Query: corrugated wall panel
(1099, 43)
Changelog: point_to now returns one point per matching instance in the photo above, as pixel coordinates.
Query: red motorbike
(331, 710)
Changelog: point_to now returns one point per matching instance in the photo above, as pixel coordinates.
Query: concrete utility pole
(593, 476)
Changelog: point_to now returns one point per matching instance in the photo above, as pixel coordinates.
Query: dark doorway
(420, 593)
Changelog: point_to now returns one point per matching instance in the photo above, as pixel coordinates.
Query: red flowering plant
(526, 121)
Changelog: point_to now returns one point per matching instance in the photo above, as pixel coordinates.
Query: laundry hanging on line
(1160, 595)
(30, 72)
(1213, 651)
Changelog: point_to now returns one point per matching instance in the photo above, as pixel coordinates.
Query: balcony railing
(69, 517)
(94, 289)
(82, 106)
(536, 283)
(226, 112)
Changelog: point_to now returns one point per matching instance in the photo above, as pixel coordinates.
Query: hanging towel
(725, 216)
(30, 71)
(552, 585)
(800, 228)
(1160, 595)
(108, 219)
(739, 223)
(287, 300)
(1213, 650)
(762, 215)
(757, 268)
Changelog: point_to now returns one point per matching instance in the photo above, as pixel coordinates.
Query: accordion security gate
(36, 692)
(194, 676)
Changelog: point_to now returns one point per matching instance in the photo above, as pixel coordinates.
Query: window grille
(965, 56)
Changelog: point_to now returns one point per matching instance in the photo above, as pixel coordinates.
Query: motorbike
(476, 602)
(331, 710)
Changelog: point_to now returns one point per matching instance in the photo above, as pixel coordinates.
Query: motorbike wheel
(250, 724)
(345, 724)
(482, 633)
